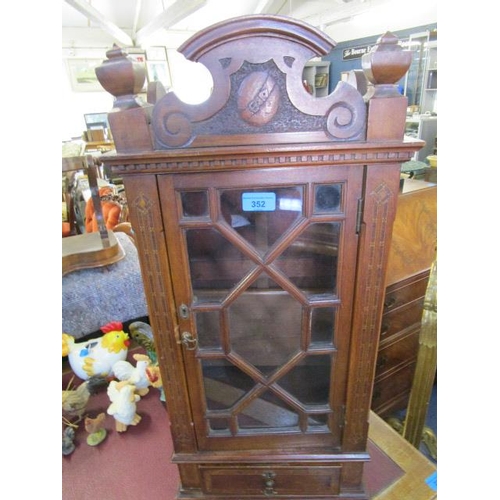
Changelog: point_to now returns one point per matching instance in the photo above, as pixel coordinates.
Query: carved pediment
(258, 96)
(257, 65)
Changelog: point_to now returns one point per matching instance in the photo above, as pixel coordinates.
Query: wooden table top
(417, 468)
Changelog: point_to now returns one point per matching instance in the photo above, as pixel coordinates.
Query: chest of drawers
(398, 346)
(412, 252)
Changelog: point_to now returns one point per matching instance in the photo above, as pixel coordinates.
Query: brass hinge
(359, 214)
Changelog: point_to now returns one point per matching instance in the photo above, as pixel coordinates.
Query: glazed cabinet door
(263, 266)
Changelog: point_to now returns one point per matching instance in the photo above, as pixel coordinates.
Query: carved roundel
(258, 98)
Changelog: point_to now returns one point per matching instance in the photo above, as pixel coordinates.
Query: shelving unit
(429, 88)
(317, 75)
(421, 80)
(421, 91)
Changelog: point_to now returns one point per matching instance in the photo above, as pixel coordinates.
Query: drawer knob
(382, 361)
(269, 484)
(384, 328)
(389, 302)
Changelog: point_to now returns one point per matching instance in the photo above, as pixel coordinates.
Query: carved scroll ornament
(257, 69)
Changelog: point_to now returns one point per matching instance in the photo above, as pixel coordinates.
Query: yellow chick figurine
(96, 356)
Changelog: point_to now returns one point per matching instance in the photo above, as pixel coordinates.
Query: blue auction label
(258, 202)
(432, 481)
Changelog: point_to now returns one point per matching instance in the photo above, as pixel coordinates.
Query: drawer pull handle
(382, 361)
(388, 303)
(384, 329)
(269, 483)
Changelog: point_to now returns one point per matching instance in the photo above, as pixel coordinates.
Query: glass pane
(309, 380)
(215, 264)
(208, 329)
(327, 198)
(267, 411)
(318, 421)
(224, 383)
(194, 203)
(322, 325)
(265, 328)
(263, 215)
(218, 424)
(310, 262)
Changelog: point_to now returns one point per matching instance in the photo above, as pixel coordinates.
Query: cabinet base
(282, 481)
(198, 495)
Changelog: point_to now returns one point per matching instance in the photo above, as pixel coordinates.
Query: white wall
(191, 82)
(395, 15)
(76, 104)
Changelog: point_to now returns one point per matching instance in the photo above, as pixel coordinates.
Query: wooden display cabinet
(263, 220)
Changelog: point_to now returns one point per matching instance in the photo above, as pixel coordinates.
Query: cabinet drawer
(391, 387)
(401, 318)
(397, 353)
(270, 481)
(397, 295)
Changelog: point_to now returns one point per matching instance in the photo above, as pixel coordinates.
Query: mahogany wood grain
(414, 237)
(260, 129)
(402, 314)
(413, 247)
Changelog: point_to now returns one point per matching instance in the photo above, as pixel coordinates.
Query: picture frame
(140, 57)
(158, 71)
(156, 53)
(82, 76)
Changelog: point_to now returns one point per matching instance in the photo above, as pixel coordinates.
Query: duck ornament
(96, 356)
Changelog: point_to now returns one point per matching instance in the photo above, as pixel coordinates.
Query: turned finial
(122, 77)
(385, 65)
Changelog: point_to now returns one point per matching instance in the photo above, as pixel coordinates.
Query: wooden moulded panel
(414, 236)
(404, 317)
(386, 395)
(397, 353)
(271, 480)
(405, 292)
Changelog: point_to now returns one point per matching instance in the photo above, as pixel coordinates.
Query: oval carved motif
(258, 98)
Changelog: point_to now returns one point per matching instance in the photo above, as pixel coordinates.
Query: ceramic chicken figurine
(135, 375)
(74, 401)
(95, 428)
(123, 404)
(68, 445)
(96, 356)
(154, 376)
(143, 335)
